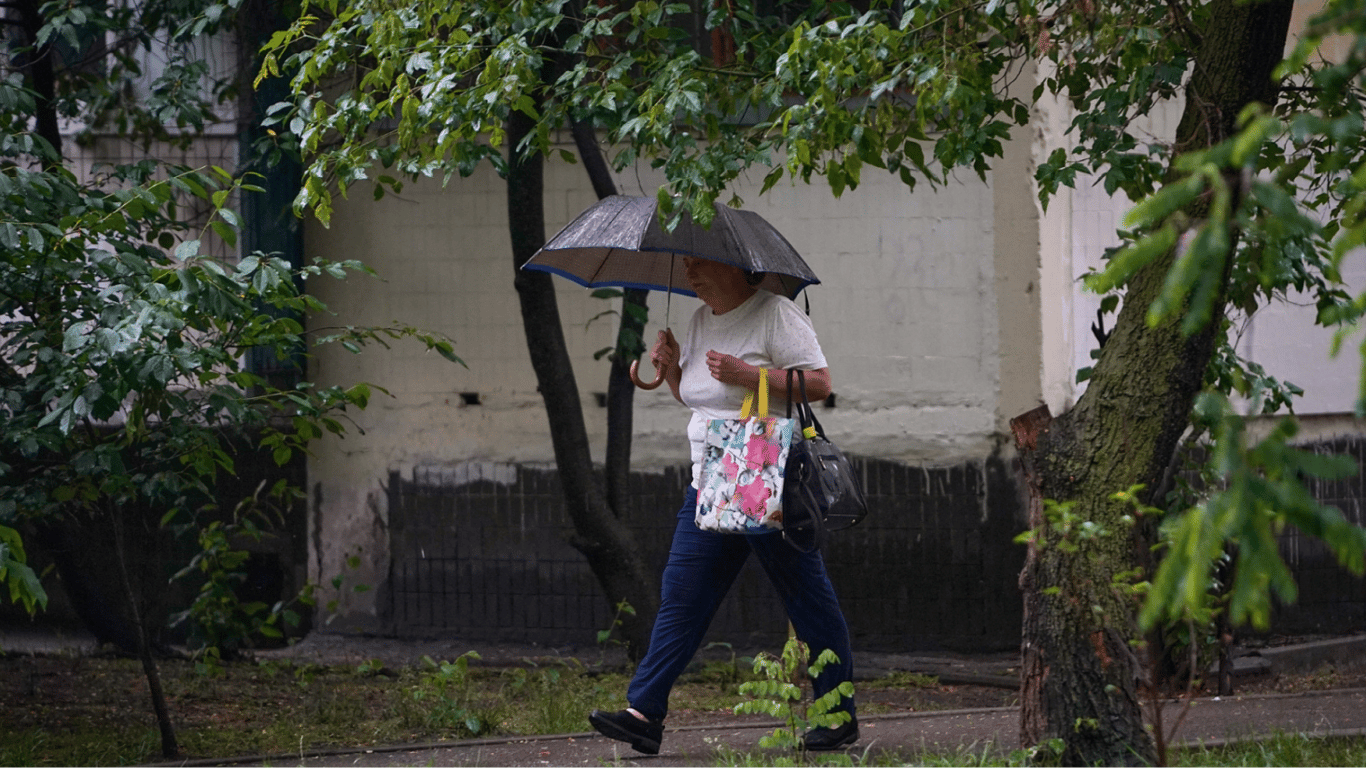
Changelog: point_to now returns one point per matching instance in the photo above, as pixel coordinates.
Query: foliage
(24, 587)
(446, 699)
(122, 343)
(1263, 491)
(778, 693)
(446, 78)
(102, 326)
(111, 87)
(605, 635)
(221, 622)
(1291, 187)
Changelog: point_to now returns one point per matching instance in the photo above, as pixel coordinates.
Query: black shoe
(827, 739)
(642, 735)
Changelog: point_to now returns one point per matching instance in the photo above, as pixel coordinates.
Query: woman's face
(706, 277)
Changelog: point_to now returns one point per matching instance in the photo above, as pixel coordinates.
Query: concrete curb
(1342, 653)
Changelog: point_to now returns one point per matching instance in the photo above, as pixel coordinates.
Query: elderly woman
(739, 332)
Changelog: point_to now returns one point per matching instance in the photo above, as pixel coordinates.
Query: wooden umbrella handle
(635, 376)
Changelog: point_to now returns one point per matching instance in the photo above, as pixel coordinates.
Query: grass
(95, 710)
(1278, 750)
(61, 710)
(1281, 749)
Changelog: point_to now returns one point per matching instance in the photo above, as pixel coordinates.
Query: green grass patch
(66, 710)
(901, 679)
(1277, 750)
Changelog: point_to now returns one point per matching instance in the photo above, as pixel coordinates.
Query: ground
(368, 693)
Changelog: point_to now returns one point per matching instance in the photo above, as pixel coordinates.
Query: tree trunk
(1079, 676)
(629, 346)
(170, 747)
(609, 547)
(42, 77)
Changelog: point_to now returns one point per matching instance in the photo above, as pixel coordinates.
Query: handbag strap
(811, 428)
(762, 411)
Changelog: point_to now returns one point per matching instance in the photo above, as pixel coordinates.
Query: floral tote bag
(743, 462)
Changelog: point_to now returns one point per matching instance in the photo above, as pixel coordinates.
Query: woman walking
(739, 332)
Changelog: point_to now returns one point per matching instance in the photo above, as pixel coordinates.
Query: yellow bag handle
(762, 411)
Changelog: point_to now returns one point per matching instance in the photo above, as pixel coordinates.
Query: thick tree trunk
(1079, 677)
(609, 547)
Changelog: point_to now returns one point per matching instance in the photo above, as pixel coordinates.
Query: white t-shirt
(767, 330)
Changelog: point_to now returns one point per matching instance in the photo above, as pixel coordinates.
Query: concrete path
(1208, 721)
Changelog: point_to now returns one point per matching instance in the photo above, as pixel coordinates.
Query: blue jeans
(702, 566)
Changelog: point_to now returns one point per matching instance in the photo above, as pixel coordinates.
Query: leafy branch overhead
(428, 88)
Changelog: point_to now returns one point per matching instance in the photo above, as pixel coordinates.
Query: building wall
(907, 316)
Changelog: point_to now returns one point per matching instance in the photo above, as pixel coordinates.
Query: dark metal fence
(932, 567)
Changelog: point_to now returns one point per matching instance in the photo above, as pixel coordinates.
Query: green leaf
(1155, 209)
(187, 250)
(359, 394)
(1132, 258)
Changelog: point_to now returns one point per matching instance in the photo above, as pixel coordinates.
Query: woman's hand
(729, 369)
(666, 355)
(665, 352)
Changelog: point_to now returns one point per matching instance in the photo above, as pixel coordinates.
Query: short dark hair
(754, 278)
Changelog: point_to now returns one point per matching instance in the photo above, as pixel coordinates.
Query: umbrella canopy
(619, 242)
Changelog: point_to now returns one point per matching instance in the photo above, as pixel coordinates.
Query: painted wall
(907, 315)
(1281, 336)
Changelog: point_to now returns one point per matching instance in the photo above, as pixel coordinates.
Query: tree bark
(610, 549)
(42, 78)
(170, 746)
(629, 346)
(1079, 676)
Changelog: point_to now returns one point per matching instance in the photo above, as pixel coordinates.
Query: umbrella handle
(635, 376)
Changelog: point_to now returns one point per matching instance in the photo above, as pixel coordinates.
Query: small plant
(779, 694)
(352, 563)
(903, 679)
(220, 623)
(730, 673)
(446, 699)
(605, 635)
(370, 667)
(1046, 752)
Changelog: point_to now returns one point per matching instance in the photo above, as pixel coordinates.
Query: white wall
(1281, 336)
(906, 315)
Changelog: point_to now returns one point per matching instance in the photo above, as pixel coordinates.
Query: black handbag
(821, 492)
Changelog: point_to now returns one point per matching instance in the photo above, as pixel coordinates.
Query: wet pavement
(1208, 720)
